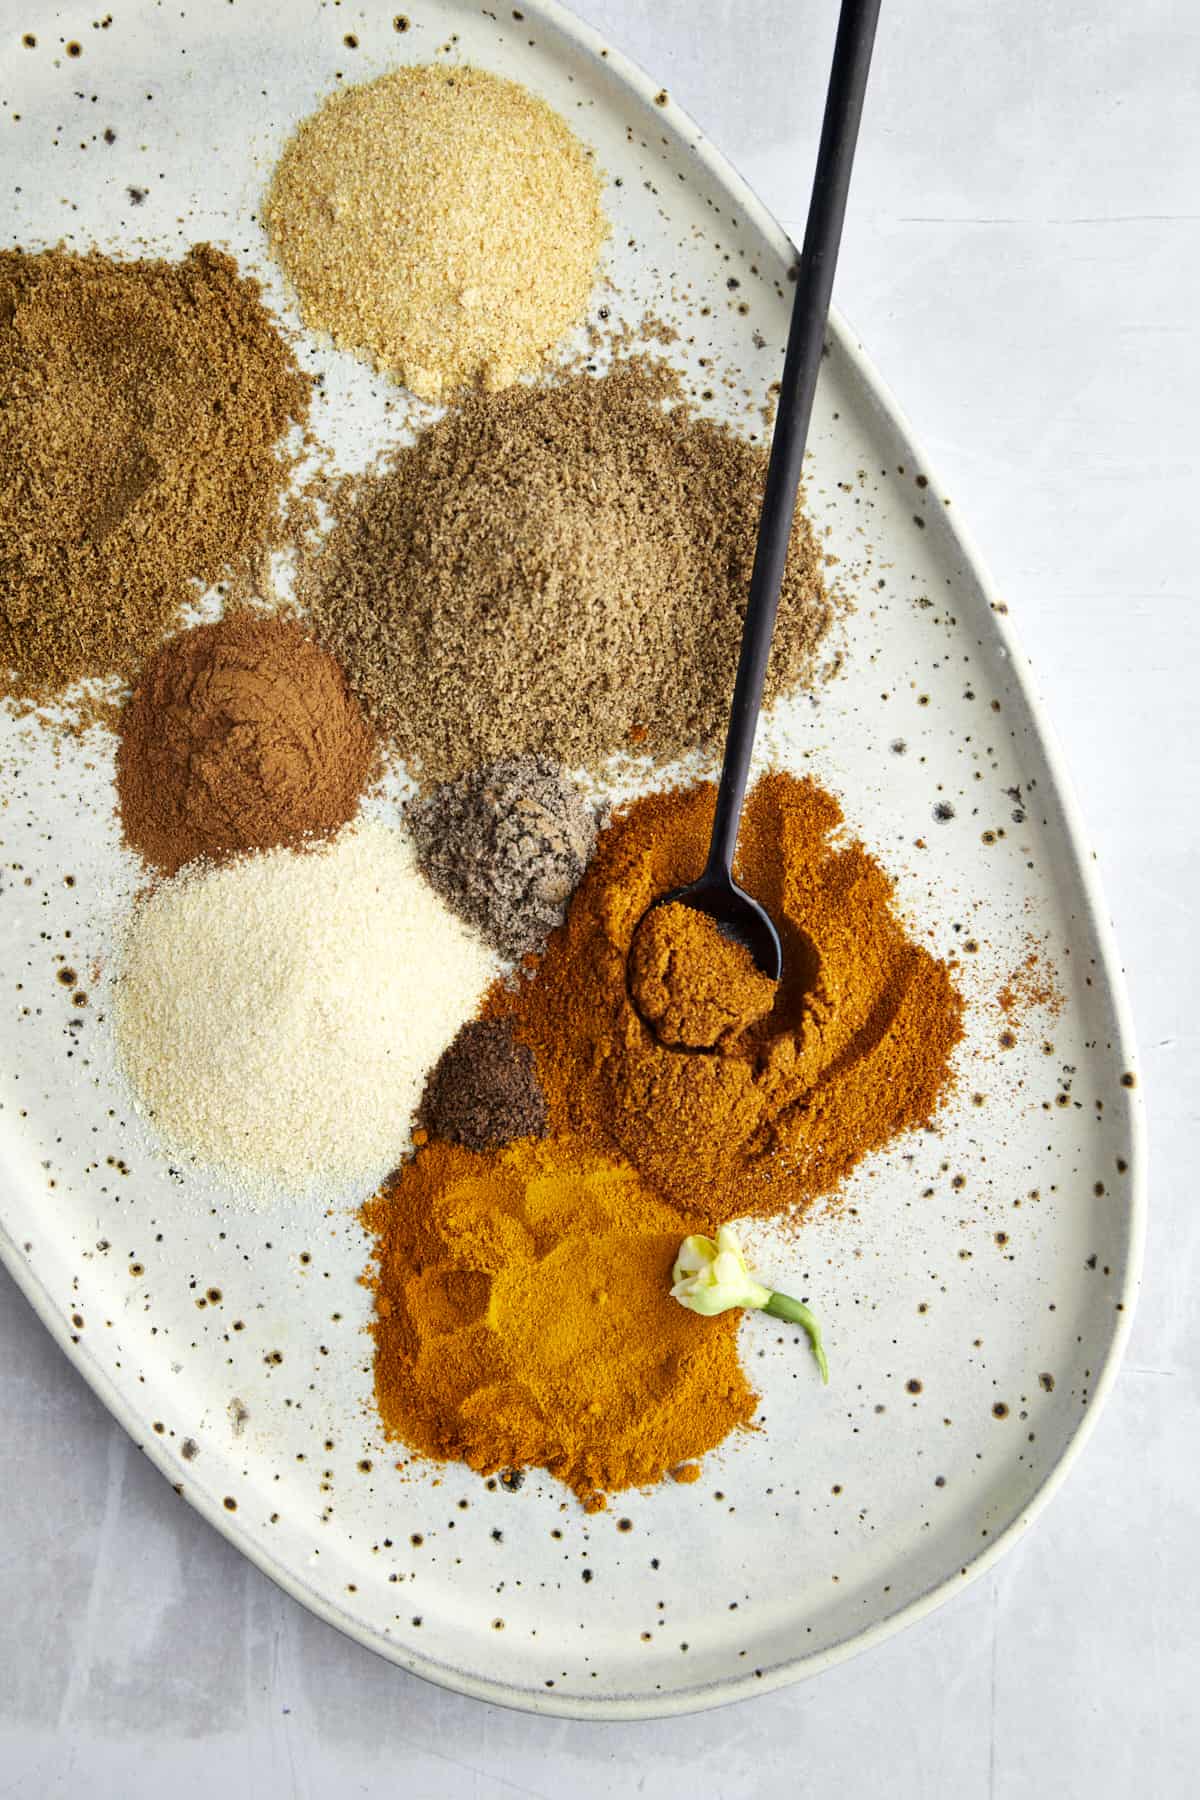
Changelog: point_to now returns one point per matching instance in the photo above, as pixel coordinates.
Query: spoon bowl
(736, 914)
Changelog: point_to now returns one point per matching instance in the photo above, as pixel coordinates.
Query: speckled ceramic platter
(976, 1283)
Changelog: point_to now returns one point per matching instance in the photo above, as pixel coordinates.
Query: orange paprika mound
(524, 1317)
(855, 1050)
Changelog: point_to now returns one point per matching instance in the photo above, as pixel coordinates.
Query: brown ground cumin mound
(141, 406)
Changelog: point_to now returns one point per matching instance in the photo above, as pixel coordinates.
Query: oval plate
(976, 1284)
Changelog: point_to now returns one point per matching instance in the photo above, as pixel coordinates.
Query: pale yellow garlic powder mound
(441, 222)
(276, 1017)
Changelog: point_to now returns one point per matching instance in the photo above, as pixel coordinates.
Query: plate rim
(723, 1691)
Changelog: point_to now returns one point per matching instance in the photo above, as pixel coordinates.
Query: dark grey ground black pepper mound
(506, 846)
(484, 1092)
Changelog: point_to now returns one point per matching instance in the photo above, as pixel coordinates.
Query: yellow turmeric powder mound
(524, 1318)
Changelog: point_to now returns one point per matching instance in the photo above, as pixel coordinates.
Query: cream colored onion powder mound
(442, 222)
(277, 1016)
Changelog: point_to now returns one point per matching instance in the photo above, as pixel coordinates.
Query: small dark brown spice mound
(506, 846)
(484, 1091)
(141, 404)
(240, 736)
(561, 570)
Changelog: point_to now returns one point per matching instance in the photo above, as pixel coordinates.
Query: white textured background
(1023, 262)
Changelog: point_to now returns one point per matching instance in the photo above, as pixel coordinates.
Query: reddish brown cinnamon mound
(240, 736)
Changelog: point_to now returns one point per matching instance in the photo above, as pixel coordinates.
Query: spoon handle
(806, 337)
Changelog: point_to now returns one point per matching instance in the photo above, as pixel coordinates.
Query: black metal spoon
(716, 892)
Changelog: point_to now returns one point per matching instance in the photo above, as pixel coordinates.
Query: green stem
(782, 1306)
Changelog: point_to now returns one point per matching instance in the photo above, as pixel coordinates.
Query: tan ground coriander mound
(857, 1047)
(559, 570)
(141, 406)
(443, 222)
(240, 735)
